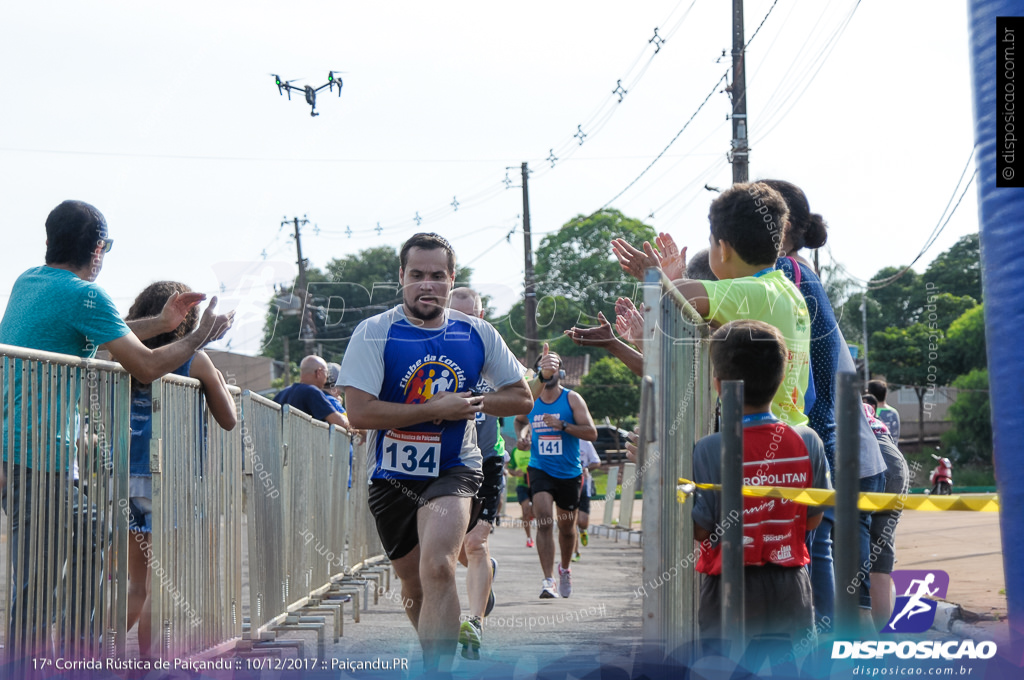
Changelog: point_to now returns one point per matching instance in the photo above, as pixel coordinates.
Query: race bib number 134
(417, 454)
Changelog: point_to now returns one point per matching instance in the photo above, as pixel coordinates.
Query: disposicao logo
(914, 610)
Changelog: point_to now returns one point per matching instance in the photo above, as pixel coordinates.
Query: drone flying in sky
(284, 86)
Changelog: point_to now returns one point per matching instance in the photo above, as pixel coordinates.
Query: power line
(820, 59)
(673, 141)
(944, 220)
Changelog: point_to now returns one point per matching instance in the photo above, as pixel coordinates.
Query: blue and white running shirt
(402, 363)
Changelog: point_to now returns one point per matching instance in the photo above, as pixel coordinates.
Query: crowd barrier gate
(196, 554)
(66, 422)
(307, 536)
(677, 409)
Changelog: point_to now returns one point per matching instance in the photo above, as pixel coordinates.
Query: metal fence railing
(196, 553)
(306, 532)
(677, 409)
(301, 548)
(63, 567)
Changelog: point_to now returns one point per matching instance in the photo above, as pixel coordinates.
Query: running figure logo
(429, 379)
(914, 611)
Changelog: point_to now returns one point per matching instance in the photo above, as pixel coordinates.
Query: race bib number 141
(417, 454)
(550, 446)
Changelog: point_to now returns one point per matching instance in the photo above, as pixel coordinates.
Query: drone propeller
(284, 86)
(332, 81)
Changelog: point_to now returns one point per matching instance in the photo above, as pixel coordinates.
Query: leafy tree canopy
(957, 271)
(908, 356)
(964, 349)
(555, 313)
(576, 262)
(353, 288)
(611, 390)
(971, 436)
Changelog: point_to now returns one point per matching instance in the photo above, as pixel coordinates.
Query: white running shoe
(564, 581)
(548, 589)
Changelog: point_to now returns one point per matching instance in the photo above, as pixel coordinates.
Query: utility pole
(306, 329)
(740, 151)
(864, 321)
(530, 303)
(287, 364)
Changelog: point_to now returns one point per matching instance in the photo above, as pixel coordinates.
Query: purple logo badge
(914, 610)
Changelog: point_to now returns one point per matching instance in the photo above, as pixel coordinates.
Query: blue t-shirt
(55, 311)
(308, 399)
(826, 342)
(399, 362)
(142, 424)
(552, 450)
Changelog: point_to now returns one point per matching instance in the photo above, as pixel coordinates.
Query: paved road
(601, 621)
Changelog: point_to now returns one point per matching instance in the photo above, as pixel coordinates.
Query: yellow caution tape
(868, 502)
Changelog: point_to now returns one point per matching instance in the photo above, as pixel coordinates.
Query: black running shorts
(565, 492)
(394, 504)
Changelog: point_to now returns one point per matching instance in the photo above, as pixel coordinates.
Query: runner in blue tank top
(409, 375)
(559, 420)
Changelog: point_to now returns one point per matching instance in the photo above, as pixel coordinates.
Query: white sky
(165, 117)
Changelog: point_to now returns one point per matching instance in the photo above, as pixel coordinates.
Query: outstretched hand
(629, 322)
(598, 336)
(177, 307)
(214, 326)
(633, 261)
(673, 260)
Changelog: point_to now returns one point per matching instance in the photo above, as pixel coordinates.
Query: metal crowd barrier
(677, 409)
(63, 549)
(196, 553)
(307, 535)
(305, 538)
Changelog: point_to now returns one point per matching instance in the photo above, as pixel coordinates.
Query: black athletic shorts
(490, 490)
(522, 493)
(565, 492)
(584, 499)
(394, 504)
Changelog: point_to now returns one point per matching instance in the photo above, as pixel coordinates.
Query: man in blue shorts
(559, 420)
(409, 375)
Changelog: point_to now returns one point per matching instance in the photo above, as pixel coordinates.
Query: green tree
(952, 283)
(971, 414)
(964, 349)
(282, 322)
(909, 356)
(943, 309)
(353, 288)
(576, 262)
(957, 271)
(611, 390)
(555, 313)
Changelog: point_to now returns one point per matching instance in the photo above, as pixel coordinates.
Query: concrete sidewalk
(599, 623)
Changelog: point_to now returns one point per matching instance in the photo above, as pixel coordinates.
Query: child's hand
(635, 262)
(673, 261)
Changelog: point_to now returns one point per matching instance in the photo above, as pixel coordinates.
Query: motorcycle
(942, 477)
